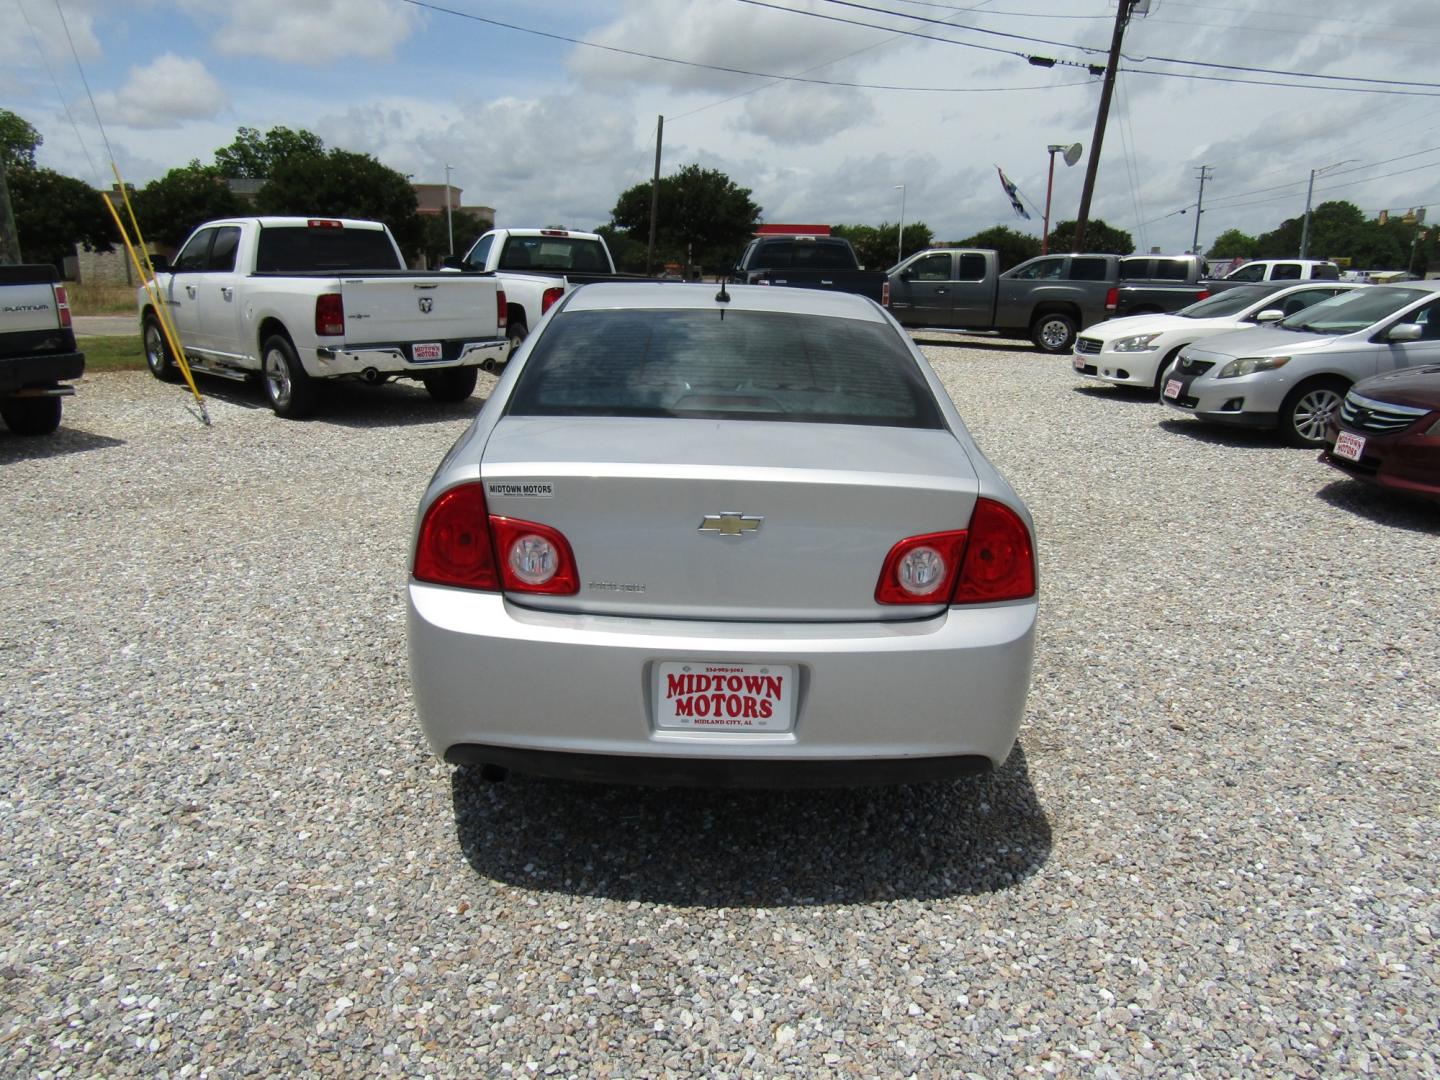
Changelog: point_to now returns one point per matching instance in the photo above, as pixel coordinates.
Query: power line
(922, 18)
(1287, 86)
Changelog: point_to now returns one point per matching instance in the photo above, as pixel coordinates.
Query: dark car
(1387, 432)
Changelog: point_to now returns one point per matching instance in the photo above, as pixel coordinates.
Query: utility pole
(654, 197)
(9, 240)
(1199, 204)
(1122, 17)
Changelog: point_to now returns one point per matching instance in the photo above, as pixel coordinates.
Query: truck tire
(1307, 409)
(452, 384)
(516, 332)
(1053, 332)
(31, 415)
(158, 357)
(290, 389)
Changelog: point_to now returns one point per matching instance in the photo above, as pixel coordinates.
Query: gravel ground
(225, 850)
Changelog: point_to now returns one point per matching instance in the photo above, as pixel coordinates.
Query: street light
(449, 226)
(1309, 192)
(1072, 155)
(900, 243)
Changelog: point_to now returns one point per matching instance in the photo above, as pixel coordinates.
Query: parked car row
(1353, 369)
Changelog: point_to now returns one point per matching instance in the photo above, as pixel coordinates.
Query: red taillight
(324, 223)
(460, 544)
(1112, 299)
(329, 315)
(991, 561)
(885, 294)
(62, 306)
(999, 557)
(549, 298)
(534, 558)
(1202, 294)
(502, 309)
(553, 232)
(454, 544)
(921, 569)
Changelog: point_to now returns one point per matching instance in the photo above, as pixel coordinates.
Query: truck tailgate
(419, 309)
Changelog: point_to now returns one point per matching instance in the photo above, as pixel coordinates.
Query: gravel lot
(225, 850)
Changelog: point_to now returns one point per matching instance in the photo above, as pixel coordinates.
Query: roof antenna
(722, 297)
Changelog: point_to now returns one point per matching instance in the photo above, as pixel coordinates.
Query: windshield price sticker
(725, 697)
(428, 351)
(1348, 446)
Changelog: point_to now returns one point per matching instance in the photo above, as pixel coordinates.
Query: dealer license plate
(1078, 363)
(1173, 388)
(428, 351)
(1350, 447)
(725, 697)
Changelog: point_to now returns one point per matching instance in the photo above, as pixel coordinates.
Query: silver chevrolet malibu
(732, 536)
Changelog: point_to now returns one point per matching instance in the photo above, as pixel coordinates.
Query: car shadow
(1126, 395)
(728, 848)
(354, 404)
(64, 441)
(1383, 507)
(987, 344)
(1221, 435)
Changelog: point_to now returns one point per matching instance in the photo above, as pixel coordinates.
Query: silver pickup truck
(37, 349)
(1046, 299)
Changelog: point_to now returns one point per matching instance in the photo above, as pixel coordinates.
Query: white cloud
(20, 17)
(806, 115)
(169, 90)
(313, 31)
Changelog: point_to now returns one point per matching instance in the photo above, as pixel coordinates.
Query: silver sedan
(721, 536)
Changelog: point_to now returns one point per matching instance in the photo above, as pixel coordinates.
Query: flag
(1013, 192)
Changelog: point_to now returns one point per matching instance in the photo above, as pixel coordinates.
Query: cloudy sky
(546, 109)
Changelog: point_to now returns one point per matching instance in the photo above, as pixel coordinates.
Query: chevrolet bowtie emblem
(730, 523)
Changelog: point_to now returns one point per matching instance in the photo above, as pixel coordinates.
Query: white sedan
(1137, 351)
(737, 538)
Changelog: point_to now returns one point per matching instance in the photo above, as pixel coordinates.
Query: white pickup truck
(301, 300)
(37, 349)
(536, 267)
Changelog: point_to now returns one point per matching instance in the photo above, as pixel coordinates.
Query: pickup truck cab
(37, 349)
(304, 300)
(1160, 284)
(1287, 271)
(810, 262)
(1045, 299)
(535, 268)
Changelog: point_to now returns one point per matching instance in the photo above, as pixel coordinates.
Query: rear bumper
(44, 370)
(395, 358)
(572, 695)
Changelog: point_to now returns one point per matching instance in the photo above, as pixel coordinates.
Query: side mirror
(1270, 315)
(1405, 331)
(454, 262)
(160, 263)
(908, 274)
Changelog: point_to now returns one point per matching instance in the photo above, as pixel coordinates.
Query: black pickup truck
(37, 349)
(810, 262)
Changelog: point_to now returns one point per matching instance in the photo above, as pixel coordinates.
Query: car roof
(276, 222)
(673, 296)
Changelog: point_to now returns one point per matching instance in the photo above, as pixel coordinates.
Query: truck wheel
(31, 415)
(452, 384)
(516, 332)
(292, 392)
(157, 353)
(1053, 332)
(1307, 409)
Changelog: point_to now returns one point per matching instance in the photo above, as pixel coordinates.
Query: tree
(1100, 238)
(254, 156)
(1013, 247)
(54, 213)
(876, 246)
(435, 234)
(18, 140)
(344, 184)
(170, 207)
(704, 217)
(1233, 244)
(627, 252)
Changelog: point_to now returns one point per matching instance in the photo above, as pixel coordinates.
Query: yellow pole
(140, 258)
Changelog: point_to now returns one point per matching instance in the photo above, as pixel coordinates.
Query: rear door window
(1089, 269)
(222, 252)
(1285, 272)
(972, 267)
(1172, 269)
(712, 364)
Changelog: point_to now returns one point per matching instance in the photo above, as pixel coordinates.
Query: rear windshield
(803, 254)
(1228, 302)
(295, 248)
(713, 364)
(553, 253)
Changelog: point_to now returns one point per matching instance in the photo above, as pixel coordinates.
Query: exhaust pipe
(371, 376)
